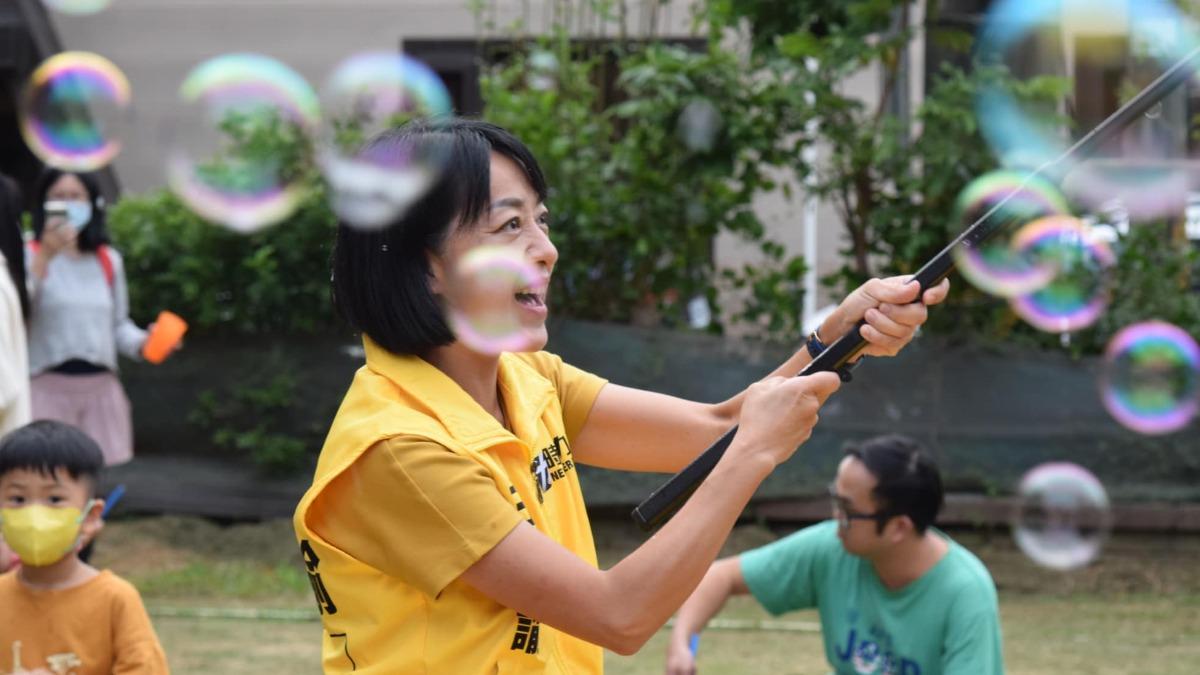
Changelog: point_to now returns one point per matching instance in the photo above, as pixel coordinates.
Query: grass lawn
(1135, 611)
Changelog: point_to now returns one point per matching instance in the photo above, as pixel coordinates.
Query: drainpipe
(810, 212)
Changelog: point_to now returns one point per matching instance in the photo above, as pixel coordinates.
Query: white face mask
(78, 212)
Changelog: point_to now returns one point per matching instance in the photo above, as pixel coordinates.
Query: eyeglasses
(844, 513)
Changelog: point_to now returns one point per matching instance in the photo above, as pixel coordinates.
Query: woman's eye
(16, 500)
(514, 224)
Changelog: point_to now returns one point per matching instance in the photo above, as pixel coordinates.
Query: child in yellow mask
(57, 613)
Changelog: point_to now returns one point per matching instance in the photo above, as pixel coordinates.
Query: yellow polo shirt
(415, 483)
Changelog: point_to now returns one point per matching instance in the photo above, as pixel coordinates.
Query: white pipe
(810, 211)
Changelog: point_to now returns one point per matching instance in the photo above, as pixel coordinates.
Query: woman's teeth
(530, 298)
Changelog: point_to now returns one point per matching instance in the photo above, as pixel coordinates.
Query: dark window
(954, 17)
(459, 64)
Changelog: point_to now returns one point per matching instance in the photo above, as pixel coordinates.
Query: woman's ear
(437, 273)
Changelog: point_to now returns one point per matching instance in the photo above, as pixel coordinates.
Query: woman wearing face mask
(79, 315)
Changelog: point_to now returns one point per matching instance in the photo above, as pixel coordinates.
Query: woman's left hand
(178, 345)
(890, 311)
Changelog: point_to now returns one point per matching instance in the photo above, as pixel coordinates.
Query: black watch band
(814, 346)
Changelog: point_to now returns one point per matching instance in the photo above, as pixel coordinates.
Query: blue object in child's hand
(112, 499)
(694, 643)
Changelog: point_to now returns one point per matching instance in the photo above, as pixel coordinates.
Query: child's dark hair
(46, 446)
(908, 482)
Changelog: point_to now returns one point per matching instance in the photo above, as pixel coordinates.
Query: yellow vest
(376, 622)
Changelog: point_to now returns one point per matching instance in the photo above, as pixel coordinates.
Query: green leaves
(252, 417)
(643, 184)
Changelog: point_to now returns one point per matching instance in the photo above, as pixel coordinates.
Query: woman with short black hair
(445, 529)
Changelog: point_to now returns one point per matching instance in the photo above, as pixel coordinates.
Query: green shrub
(223, 282)
(636, 208)
(253, 417)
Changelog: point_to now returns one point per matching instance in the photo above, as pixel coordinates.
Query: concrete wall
(157, 42)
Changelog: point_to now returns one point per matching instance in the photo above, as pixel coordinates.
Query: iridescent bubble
(497, 300)
(995, 266)
(699, 125)
(73, 111)
(237, 156)
(78, 7)
(543, 70)
(373, 184)
(1151, 379)
(1115, 48)
(1082, 264)
(1062, 516)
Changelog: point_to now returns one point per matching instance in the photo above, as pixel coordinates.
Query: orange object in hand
(167, 332)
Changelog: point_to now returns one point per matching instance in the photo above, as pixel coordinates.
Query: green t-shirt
(945, 623)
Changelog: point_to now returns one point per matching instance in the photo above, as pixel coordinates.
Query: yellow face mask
(41, 535)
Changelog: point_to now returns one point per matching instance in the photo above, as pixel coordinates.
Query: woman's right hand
(779, 414)
(56, 236)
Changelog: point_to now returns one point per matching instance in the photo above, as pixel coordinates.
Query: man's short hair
(381, 277)
(907, 479)
(46, 446)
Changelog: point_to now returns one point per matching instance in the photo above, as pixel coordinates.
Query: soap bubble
(1144, 166)
(1151, 380)
(237, 153)
(1062, 517)
(498, 300)
(78, 7)
(994, 266)
(73, 111)
(699, 125)
(373, 183)
(1079, 292)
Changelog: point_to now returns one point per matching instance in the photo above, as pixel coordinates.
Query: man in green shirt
(895, 595)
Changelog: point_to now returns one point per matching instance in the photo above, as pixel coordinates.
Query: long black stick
(666, 500)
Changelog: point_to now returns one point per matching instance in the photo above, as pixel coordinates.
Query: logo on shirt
(311, 563)
(526, 637)
(552, 463)
(512, 489)
(872, 654)
(59, 664)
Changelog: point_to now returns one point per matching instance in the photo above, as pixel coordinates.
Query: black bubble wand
(667, 499)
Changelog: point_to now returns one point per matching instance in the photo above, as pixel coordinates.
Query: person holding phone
(79, 314)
